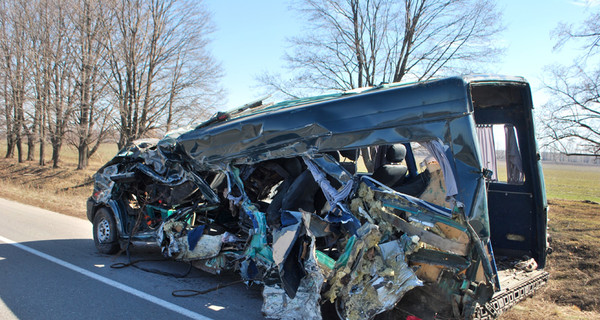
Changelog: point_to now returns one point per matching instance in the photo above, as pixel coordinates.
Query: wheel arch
(114, 210)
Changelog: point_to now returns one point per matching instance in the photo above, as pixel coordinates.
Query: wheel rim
(103, 231)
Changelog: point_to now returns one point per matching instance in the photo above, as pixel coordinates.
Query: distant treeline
(562, 158)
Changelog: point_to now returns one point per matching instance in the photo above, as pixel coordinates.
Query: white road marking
(165, 304)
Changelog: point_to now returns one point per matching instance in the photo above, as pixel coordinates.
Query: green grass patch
(572, 182)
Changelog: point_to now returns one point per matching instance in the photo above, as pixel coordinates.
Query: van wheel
(105, 232)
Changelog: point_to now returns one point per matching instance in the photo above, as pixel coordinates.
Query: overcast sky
(251, 38)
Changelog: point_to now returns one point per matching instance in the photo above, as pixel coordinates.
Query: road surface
(50, 269)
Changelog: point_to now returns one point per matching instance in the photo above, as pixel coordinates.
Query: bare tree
(157, 55)
(40, 33)
(74, 70)
(14, 51)
(357, 43)
(587, 32)
(62, 86)
(4, 77)
(571, 119)
(193, 90)
(37, 74)
(90, 116)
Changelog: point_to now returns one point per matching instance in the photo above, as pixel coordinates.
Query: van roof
(386, 114)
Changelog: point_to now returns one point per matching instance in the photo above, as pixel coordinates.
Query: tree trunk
(31, 137)
(10, 145)
(30, 147)
(42, 153)
(42, 136)
(10, 136)
(357, 41)
(18, 136)
(83, 159)
(19, 145)
(56, 146)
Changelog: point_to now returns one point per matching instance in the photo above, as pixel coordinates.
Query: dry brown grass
(539, 308)
(61, 189)
(573, 291)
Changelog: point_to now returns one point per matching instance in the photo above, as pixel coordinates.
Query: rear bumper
(516, 290)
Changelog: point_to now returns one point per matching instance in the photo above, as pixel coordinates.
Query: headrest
(334, 154)
(350, 154)
(293, 166)
(396, 153)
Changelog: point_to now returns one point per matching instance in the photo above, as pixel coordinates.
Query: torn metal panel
(103, 183)
(178, 244)
(288, 250)
(322, 125)
(374, 278)
(304, 304)
(382, 206)
(431, 263)
(426, 236)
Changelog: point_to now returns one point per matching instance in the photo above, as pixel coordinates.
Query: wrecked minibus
(417, 200)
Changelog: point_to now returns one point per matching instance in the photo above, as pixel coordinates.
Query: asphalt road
(50, 269)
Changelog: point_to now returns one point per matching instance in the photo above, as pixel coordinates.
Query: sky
(250, 38)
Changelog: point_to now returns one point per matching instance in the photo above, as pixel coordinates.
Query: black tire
(105, 232)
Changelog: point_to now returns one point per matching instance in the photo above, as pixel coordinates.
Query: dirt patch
(573, 291)
(538, 308)
(575, 261)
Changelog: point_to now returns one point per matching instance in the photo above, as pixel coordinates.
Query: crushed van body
(395, 199)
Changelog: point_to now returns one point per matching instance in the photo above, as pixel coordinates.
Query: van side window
(500, 152)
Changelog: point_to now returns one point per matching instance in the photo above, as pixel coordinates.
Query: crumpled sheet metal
(326, 120)
(386, 287)
(208, 246)
(284, 238)
(156, 164)
(174, 174)
(304, 306)
(104, 184)
(306, 303)
(381, 207)
(375, 277)
(370, 276)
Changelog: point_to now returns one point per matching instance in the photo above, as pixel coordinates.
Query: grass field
(572, 293)
(571, 182)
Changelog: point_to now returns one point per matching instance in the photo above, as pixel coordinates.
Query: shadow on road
(32, 287)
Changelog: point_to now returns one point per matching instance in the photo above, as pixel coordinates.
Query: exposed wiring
(121, 265)
(133, 263)
(190, 292)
